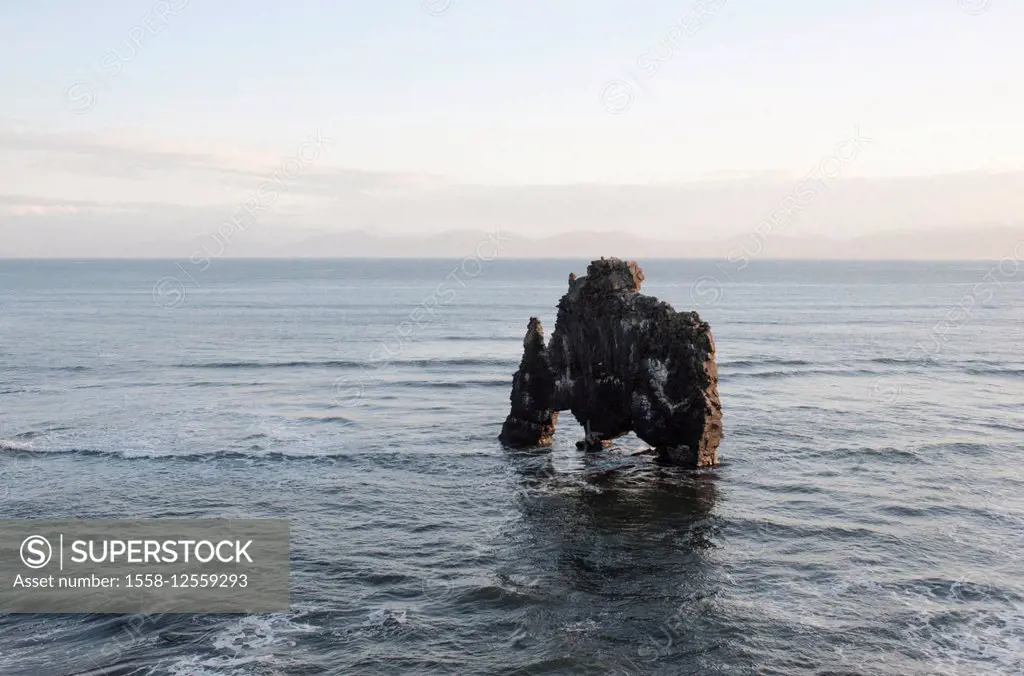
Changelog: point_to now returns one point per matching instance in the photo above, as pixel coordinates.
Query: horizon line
(766, 259)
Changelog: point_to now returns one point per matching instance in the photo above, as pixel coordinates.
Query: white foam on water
(265, 641)
(383, 616)
(581, 627)
(960, 628)
(11, 445)
(981, 639)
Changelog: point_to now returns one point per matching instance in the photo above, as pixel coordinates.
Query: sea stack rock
(532, 420)
(620, 361)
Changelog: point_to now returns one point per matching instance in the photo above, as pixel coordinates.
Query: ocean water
(866, 518)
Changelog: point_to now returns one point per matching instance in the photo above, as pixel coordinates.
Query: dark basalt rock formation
(620, 361)
(532, 420)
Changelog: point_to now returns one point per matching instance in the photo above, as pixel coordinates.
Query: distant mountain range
(983, 244)
(946, 244)
(972, 215)
(920, 244)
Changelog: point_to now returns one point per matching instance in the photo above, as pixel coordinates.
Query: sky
(158, 116)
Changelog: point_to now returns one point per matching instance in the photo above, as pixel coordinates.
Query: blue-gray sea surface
(866, 518)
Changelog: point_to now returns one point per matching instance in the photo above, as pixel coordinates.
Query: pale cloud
(64, 161)
(36, 210)
(139, 197)
(114, 151)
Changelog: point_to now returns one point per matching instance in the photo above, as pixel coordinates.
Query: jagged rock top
(610, 274)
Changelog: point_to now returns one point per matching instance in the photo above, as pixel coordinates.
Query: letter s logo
(36, 551)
